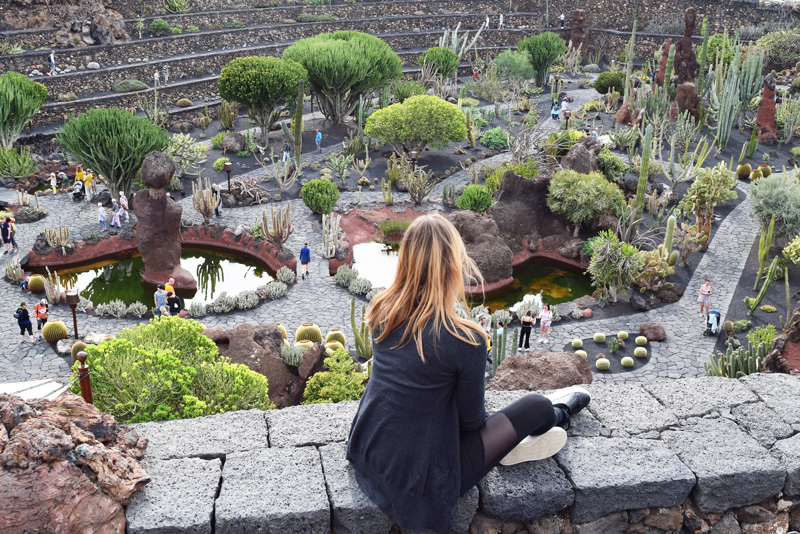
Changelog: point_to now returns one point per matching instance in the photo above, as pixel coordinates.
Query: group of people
(166, 301)
(8, 229)
(118, 209)
(163, 78)
(528, 321)
(23, 318)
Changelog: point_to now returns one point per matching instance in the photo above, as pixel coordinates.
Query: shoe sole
(558, 396)
(534, 448)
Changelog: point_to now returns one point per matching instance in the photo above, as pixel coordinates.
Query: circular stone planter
(593, 350)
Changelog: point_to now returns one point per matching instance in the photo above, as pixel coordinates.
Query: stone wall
(680, 455)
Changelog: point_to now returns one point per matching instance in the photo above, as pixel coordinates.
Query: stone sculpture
(158, 233)
(662, 66)
(580, 32)
(765, 120)
(686, 66)
(688, 100)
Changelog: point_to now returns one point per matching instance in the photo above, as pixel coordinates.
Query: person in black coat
(421, 436)
(173, 303)
(24, 322)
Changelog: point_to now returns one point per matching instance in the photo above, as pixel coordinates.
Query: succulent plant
(282, 329)
(577, 343)
(77, 347)
(304, 344)
(623, 335)
(36, 284)
(640, 352)
(599, 338)
(743, 171)
(627, 361)
(335, 335)
(582, 353)
(641, 341)
(765, 169)
(602, 364)
(755, 175)
(333, 346)
(308, 332)
(54, 331)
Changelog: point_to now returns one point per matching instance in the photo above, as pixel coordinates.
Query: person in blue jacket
(24, 321)
(305, 258)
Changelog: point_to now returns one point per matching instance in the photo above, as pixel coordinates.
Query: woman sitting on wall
(421, 436)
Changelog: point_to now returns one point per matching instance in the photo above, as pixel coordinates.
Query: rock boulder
(233, 143)
(484, 246)
(540, 371)
(652, 331)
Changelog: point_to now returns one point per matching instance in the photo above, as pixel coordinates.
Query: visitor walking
(565, 106)
(40, 312)
(705, 299)
(53, 182)
(305, 259)
(173, 303)
(156, 83)
(500, 26)
(12, 224)
(123, 205)
(52, 58)
(90, 181)
(546, 317)
(554, 111)
(421, 436)
(562, 18)
(165, 72)
(5, 232)
(169, 286)
(216, 196)
(101, 216)
(487, 22)
(525, 332)
(79, 174)
(160, 299)
(24, 322)
(286, 151)
(117, 211)
(596, 132)
(318, 140)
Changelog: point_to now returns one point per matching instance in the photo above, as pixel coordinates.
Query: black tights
(482, 449)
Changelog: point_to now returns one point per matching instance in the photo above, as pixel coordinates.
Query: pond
(215, 272)
(377, 262)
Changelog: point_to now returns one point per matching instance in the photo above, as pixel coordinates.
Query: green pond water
(122, 279)
(377, 262)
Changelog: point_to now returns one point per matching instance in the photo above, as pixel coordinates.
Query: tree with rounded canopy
(343, 67)
(20, 99)
(112, 142)
(581, 198)
(441, 60)
(261, 84)
(419, 122)
(544, 49)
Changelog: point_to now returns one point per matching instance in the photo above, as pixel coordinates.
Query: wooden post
(84, 379)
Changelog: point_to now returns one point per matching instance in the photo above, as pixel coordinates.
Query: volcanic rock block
(313, 424)
(492, 256)
(629, 408)
(732, 469)
(761, 422)
(541, 370)
(640, 473)
(695, 397)
(765, 118)
(255, 495)
(686, 66)
(662, 65)
(180, 497)
(778, 391)
(787, 451)
(233, 143)
(688, 100)
(580, 160)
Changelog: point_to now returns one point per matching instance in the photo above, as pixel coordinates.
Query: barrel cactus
(640, 352)
(77, 347)
(743, 171)
(282, 329)
(308, 332)
(54, 331)
(304, 344)
(755, 175)
(627, 361)
(36, 284)
(335, 335)
(577, 343)
(599, 338)
(765, 169)
(641, 341)
(333, 346)
(622, 335)
(603, 364)
(582, 353)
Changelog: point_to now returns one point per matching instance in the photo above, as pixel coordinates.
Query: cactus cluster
(659, 263)
(737, 363)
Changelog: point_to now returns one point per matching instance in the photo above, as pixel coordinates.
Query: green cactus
(701, 76)
(644, 169)
(640, 341)
(670, 66)
(764, 244)
(582, 354)
(602, 364)
(577, 343)
(669, 236)
(627, 361)
(599, 338)
(737, 363)
(499, 346)
(640, 352)
(361, 333)
(753, 303)
(622, 334)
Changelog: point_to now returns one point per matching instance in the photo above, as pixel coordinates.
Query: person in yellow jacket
(90, 183)
(40, 312)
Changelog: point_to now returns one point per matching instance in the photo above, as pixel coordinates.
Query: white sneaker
(534, 448)
(541, 340)
(545, 341)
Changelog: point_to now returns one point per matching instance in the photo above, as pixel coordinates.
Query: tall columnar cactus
(281, 225)
(752, 304)
(751, 79)
(669, 237)
(764, 244)
(297, 125)
(739, 362)
(468, 115)
(629, 54)
(58, 238)
(726, 106)
(361, 333)
(330, 234)
(498, 347)
(701, 76)
(670, 69)
(203, 199)
(644, 170)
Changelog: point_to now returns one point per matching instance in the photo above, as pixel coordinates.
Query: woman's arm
(470, 388)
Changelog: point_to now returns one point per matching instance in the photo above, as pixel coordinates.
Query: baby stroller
(78, 191)
(713, 323)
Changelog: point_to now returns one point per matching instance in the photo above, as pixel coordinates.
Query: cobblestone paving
(320, 300)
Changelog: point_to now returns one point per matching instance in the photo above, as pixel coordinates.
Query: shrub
(345, 275)
(641, 341)
(285, 275)
(783, 48)
(159, 26)
(581, 198)
(223, 303)
(360, 286)
(742, 325)
(610, 164)
(777, 195)
(17, 164)
(544, 49)
(716, 44)
(514, 65)
(219, 164)
(21, 99)
(343, 67)
(176, 30)
(494, 179)
(607, 81)
(640, 352)
(261, 84)
(602, 364)
(276, 289)
(192, 29)
(769, 309)
(475, 198)
(168, 370)
(577, 344)
(496, 139)
(760, 335)
(341, 382)
(216, 141)
(136, 308)
(627, 361)
(247, 300)
(113, 143)
(593, 105)
(599, 338)
(419, 122)
(394, 227)
(441, 60)
(405, 89)
(320, 195)
(128, 86)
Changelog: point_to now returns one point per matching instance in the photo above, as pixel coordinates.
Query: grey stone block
(180, 497)
(778, 391)
(314, 424)
(761, 422)
(214, 436)
(732, 469)
(525, 491)
(614, 474)
(352, 511)
(693, 397)
(273, 490)
(788, 452)
(629, 408)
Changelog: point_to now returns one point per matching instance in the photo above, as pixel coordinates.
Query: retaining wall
(657, 458)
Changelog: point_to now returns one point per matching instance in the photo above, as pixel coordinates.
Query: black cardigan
(404, 441)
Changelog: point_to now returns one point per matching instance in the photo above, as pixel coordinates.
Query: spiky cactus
(725, 105)
(701, 76)
(330, 234)
(281, 225)
(764, 244)
(739, 362)
(644, 170)
(752, 303)
(670, 66)
(669, 237)
(361, 333)
(203, 199)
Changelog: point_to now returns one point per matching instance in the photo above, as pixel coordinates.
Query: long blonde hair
(430, 280)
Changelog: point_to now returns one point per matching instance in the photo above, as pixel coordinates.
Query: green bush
(17, 164)
(21, 98)
(494, 180)
(405, 89)
(581, 198)
(442, 60)
(192, 29)
(159, 26)
(765, 334)
(742, 325)
(419, 122)
(216, 141)
(514, 65)
(496, 139)
(716, 44)
(320, 195)
(261, 84)
(343, 67)
(610, 164)
(168, 370)
(607, 81)
(128, 86)
(394, 227)
(341, 382)
(475, 198)
(544, 49)
(308, 17)
(176, 30)
(778, 195)
(783, 48)
(219, 164)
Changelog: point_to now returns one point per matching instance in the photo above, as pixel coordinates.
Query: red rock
(780, 523)
(587, 312)
(652, 331)
(541, 370)
(765, 119)
(665, 519)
